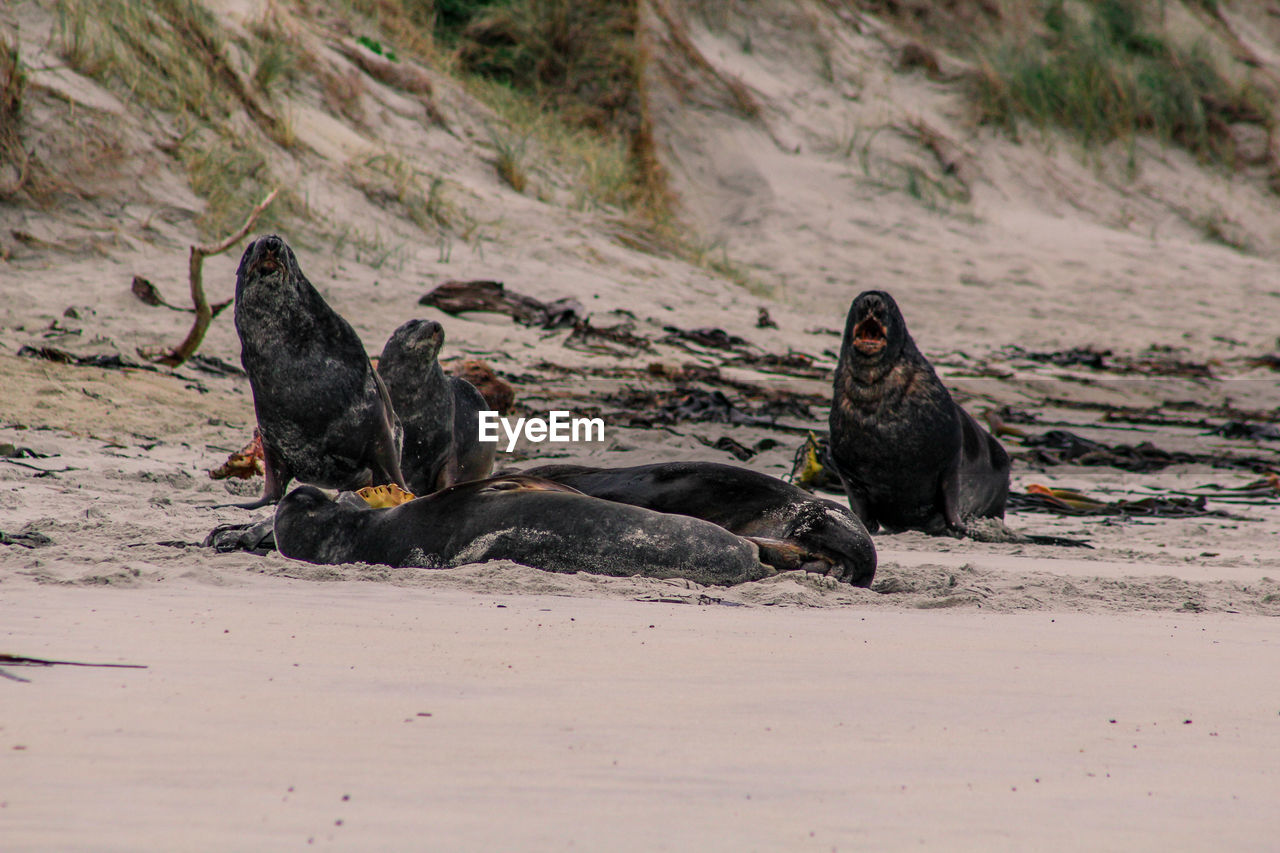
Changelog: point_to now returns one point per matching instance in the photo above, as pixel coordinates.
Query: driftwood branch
(204, 313)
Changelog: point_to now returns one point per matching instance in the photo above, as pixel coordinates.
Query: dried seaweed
(706, 337)
(811, 468)
(792, 363)
(13, 451)
(736, 448)
(1157, 361)
(1064, 502)
(215, 366)
(112, 361)
(1270, 359)
(30, 539)
(245, 463)
(498, 394)
(1062, 447)
(1244, 429)
(649, 407)
(606, 340)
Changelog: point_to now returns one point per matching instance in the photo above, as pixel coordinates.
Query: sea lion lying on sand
(908, 455)
(440, 414)
(530, 521)
(793, 529)
(323, 413)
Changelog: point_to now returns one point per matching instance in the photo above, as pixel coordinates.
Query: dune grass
(157, 52)
(13, 84)
(232, 174)
(1103, 75)
(387, 179)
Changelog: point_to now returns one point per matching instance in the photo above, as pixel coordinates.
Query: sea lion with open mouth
(530, 521)
(440, 414)
(908, 455)
(792, 528)
(323, 413)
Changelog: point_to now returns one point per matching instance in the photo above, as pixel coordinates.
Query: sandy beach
(982, 695)
(275, 714)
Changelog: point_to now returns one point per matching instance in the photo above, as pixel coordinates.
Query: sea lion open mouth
(266, 266)
(869, 336)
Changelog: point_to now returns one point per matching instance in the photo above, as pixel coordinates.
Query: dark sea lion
(440, 414)
(533, 522)
(323, 413)
(908, 455)
(793, 529)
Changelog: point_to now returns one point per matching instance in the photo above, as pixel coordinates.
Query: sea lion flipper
(949, 495)
(386, 448)
(859, 505)
(785, 556)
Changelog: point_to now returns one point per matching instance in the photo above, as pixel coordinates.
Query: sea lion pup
(323, 413)
(533, 522)
(440, 414)
(793, 529)
(908, 455)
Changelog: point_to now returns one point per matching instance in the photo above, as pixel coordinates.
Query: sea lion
(323, 413)
(440, 414)
(533, 522)
(793, 529)
(908, 455)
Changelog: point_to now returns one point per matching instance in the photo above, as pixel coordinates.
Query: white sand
(579, 722)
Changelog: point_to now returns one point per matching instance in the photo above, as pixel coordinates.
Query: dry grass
(157, 53)
(565, 76)
(172, 57)
(344, 94)
(406, 25)
(388, 181)
(231, 173)
(1105, 74)
(14, 161)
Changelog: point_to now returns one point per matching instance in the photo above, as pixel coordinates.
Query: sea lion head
(875, 330)
(266, 260)
(418, 340)
(311, 527)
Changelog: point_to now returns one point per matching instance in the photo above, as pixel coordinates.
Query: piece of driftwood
(195, 272)
(458, 297)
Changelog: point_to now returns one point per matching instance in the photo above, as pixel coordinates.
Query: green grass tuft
(1106, 77)
(13, 85)
(158, 53)
(232, 175)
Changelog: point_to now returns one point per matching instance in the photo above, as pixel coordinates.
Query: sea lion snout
(424, 335)
(266, 255)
